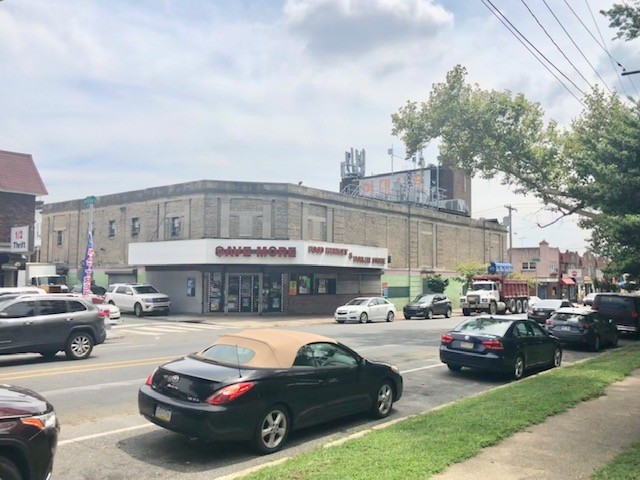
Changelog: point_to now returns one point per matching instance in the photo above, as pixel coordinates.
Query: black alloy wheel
(272, 431)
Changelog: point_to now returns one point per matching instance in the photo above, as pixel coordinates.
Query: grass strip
(424, 445)
(625, 466)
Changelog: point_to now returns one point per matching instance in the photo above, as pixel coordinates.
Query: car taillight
(103, 313)
(230, 393)
(492, 345)
(634, 314)
(447, 339)
(548, 322)
(150, 378)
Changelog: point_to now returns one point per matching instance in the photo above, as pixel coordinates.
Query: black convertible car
(258, 385)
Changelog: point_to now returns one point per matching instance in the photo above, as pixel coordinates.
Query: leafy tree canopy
(466, 271)
(626, 18)
(591, 169)
(435, 283)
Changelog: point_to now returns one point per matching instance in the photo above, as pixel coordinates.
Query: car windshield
(484, 326)
(482, 286)
(549, 303)
(423, 299)
(569, 317)
(358, 301)
(145, 289)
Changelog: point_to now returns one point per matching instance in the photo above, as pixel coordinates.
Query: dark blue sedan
(500, 344)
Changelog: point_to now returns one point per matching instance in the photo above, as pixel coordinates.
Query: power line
(555, 44)
(510, 27)
(576, 45)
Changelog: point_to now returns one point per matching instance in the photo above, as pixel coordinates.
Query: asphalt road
(103, 437)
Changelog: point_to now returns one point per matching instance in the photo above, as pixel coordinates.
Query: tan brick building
(213, 235)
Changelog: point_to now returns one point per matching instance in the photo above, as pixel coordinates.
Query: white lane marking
(103, 434)
(96, 386)
(422, 368)
(138, 332)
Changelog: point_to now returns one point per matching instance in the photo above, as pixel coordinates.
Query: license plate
(468, 345)
(163, 413)
(566, 328)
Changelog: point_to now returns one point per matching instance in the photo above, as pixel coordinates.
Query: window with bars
(174, 227)
(112, 228)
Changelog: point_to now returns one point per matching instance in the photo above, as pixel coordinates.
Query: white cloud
(111, 97)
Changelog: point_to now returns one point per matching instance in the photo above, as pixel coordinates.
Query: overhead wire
(493, 9)
(604, 43)
(576, 45)
(555, 44)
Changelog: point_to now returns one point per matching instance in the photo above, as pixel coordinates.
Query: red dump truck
(495, 293)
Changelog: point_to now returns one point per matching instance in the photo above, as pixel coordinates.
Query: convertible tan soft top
(274, 348)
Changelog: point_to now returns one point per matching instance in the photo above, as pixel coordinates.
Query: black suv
(28, 434)
(623, 308)
(427, 305)
(49, 323)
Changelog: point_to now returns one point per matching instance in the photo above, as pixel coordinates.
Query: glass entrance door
(244, 293)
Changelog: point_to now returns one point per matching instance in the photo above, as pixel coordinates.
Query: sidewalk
(571, 445)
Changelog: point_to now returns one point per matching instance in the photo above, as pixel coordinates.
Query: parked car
(582, 326)
(20, 291)
(111, 311)
(533, 300)
(48, 323)
(95, 289)
(366, 309)
(588, 299)
(29, 431)
(500, 344)
(623, 308)
(138, 298)
(258, 385)
(545, 308)
(428, 305)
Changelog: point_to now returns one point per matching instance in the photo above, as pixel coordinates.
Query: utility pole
(511, 209)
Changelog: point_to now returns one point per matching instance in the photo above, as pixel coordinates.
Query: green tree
(591, 169)
(626, 18)
(435, 283)
(466, 271)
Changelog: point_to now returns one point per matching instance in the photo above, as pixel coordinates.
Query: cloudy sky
(129, 94)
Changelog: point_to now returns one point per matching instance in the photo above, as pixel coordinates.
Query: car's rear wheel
(525, 305)
(137, 309)
(383, 401)
(454, 368)
(272, 430)
(557, 357)
(512, 306)
(79, 346)
(448, 312)
(518, 367)
(9, 470)
(595, 344)
(364, 318)
(390, 317)
(407, 317)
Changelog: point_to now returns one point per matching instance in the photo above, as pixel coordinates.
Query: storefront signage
(258, 252)
(19, 239)
(360, 259)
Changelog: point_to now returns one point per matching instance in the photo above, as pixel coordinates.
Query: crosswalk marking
(156, 329)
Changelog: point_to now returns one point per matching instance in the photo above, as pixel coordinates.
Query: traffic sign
(90, 200)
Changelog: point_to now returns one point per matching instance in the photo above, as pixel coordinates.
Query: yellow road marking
(84, 369)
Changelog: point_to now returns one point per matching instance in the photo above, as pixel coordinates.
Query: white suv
(137, 298)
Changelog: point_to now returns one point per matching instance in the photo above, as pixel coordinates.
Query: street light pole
(511, 209)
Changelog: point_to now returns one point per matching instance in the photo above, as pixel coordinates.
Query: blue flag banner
(87, 270)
